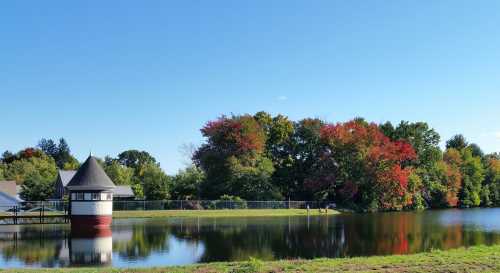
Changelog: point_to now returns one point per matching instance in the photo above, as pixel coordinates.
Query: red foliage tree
(362, 161)
(236, 135)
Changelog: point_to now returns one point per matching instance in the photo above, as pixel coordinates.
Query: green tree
(422, 138)
(491, 193)
(136, 160)
(61, 153)
(186, 184)
(253, 179)
(8, 157)
(119, 174)
(27, 163)
(279, 131)
(472, 177)
(457, 142)
(476, 150)
(303, 151)
(156, 184)
(71, 164)
(37, 187)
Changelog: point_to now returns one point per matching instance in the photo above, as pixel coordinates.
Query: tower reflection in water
(91, 247)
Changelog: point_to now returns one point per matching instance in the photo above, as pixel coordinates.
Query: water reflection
(170, 241)
(90, 247)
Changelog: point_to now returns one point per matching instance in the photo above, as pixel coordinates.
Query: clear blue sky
(117, 75)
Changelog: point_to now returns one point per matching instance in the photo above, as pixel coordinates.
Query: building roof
(123, 191)
(7, 201)
(90, 176)
(19, 189)
(8, 187)
(66, 176)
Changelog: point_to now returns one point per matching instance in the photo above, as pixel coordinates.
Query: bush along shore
(474, 259)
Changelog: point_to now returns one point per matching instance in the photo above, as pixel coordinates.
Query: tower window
(96, 196)
(79, 196)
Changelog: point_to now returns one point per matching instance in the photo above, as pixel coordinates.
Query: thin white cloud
(495, 135)
(282, 98)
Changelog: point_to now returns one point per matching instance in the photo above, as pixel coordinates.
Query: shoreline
(218, 213)
(473, 259)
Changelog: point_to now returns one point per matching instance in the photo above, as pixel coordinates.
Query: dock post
(15, 215)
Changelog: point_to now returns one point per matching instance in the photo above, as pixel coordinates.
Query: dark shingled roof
(90, 176)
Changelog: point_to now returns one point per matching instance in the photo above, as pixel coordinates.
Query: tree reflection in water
(324, 236)
(139, 239)
(169, 240)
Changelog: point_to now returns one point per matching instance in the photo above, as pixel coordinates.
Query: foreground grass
(217, 213)
(474, 259)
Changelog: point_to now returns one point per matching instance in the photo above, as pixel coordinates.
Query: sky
(115, 75)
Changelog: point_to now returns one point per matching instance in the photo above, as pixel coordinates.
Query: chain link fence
(213, 205)
(119, 205)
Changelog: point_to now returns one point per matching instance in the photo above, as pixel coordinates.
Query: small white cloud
(282, 98)
(495, 135)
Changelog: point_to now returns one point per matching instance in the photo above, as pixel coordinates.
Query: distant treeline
(356, 164)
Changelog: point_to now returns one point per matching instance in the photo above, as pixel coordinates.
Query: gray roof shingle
(123, 191)
(90, 176)
(8, 187)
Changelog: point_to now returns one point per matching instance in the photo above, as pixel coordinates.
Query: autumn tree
(423, 139)
(34, 170)
(361, 166)
(234, 159)
(28, 162)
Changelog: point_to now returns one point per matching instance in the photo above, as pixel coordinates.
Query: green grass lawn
(474, 259)
(216, 213)
(196, 213)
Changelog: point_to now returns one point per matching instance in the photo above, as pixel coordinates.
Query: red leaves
(349, 133)
(453, 184)
(27, 153)
(381, 157)
(349, 190)
(236, 135)
(394, 179)
(392, 185)
(367, 137)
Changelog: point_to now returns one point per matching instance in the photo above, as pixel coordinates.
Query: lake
(180, 241)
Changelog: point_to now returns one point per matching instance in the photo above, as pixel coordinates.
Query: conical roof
(90, 176)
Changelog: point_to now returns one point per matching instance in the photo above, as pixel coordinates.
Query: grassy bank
(475, 259)
(216, 213)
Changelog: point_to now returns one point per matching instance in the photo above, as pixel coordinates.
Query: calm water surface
(178, 241)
